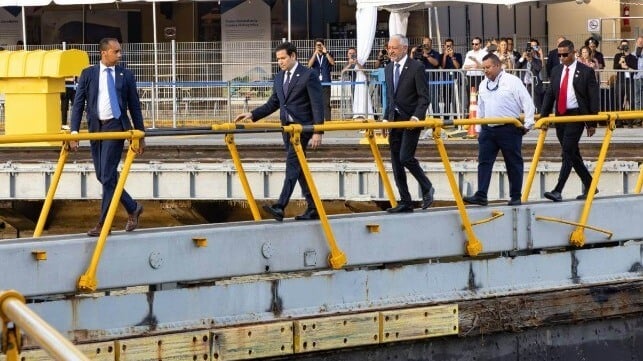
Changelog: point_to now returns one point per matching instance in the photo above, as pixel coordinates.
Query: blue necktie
(287, 83)
(113, 99)
(396, 76)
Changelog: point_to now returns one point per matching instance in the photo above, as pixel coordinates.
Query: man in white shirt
(501, 95)
(473, 62)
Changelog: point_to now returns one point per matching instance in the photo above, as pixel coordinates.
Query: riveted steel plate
(100, 351)
(180, 346)
(327, 333)
(401, 325)
(251, 342)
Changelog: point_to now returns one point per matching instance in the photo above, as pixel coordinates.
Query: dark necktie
(562, 94)
(287, 83)
(396, 76)
(113, 99)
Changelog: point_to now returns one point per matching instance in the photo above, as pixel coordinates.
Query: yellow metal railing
(13, 310)
(336, 258)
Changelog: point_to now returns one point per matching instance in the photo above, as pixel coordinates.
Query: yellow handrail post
(44, 212)
(577, 237)
(534, 163)
(337, 258)
(639, 182)
(13, 308)
(232, 147)
(370, 136)
(473, 244)
(88, 282)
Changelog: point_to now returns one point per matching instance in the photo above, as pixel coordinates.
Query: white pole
(289, 25)
(428, 20)
(156, 69)
(24, 29)
(174, 102)
(437, 28)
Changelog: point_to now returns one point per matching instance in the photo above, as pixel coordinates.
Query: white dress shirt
(505, 97)
(104, 106)
(572, 102)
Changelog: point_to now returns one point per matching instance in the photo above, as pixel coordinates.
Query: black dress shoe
(310, 214)
(554, 196)
(401, 208)
(475, 199)
(514, 202)
(427, 198)
(584, 195)
(276, 212)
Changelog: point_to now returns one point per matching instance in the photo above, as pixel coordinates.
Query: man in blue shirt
(322, 63)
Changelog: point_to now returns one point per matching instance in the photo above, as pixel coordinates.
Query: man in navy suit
(109, 91)
(407, 99)
(574, 88)
(297, 94)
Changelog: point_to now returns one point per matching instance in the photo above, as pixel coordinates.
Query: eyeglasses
(563, 55)
(475, 43)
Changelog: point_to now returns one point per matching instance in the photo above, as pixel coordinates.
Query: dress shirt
(505, 97)
(292, 72)
(401, 62)
(104, 106)
(572, 102)
(477, 55)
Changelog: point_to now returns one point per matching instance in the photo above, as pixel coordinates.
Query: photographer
(349, 72)
(431, 60)
(626, 64)
(382, 59)
(531, 61)
(450, 60)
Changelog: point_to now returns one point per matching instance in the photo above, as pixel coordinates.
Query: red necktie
(562, 94)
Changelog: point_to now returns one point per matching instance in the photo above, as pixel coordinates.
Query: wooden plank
(417, 323)
(250, 342)
(180, 346)
(326, 333)
(100, 351)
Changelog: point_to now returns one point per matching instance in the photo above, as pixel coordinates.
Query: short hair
(404, 41)
(566, 44)
(624, 41)
(449, 40)
(290, 48)
(477, 38)
(493, 57)
(351, 47)
(535, 41)
(103, 45)
(319, 40)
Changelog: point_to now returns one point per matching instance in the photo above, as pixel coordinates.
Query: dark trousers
(294, 173)
(508, 140)
(106, 155)
(65, 99)
(326, 96)
(569, 135)
(403, 143)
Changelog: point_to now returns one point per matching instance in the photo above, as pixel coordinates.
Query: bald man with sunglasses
(574, 89)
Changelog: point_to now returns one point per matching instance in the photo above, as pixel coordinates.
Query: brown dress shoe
(95, 232)
(132, 220)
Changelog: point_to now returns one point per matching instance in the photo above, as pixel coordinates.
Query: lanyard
(320, 59)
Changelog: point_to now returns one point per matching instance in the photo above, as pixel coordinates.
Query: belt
(495, 125)
(105, 121)
(572, 111)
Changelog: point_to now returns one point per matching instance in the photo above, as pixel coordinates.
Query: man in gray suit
(407, 99)
(297, 94)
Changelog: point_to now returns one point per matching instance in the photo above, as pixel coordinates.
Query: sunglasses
(475, 43)
(563, 55)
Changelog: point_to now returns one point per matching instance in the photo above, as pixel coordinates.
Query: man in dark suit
(109, 91)
(297, 94)
(407, 99)
(574, 88)
(552, 57)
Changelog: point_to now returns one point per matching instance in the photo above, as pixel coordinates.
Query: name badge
(320, 77)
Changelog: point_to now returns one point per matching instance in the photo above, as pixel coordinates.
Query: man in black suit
(297, 94)
(109, 90)
(574, 88)
(407, 99)
(552, 57)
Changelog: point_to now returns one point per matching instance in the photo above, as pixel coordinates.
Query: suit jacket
(303, 103)
(552, 61)
(411, 98)
(87, 93)
(585, 87)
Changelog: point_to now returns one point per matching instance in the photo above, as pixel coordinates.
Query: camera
(419, 52)
(529, 48)
(624, 48)
(353, 56)
(383, 52)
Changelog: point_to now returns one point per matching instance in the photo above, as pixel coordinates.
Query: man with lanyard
(322, 63)
(501, 95)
